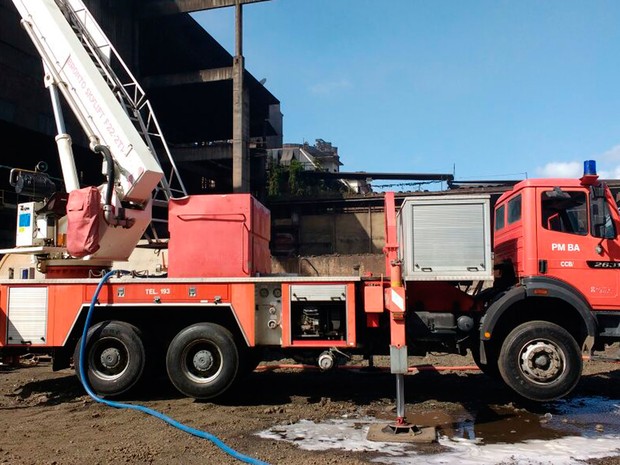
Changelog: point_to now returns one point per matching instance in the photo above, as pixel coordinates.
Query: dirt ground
(47, 419)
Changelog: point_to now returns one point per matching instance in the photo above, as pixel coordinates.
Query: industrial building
(220, 122)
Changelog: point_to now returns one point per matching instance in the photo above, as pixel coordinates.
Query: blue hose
(201, 434)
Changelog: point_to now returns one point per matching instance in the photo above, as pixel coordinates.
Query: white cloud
(612, 173)
(611, 154)
(329, 87)
(559, 169)
(607, 166)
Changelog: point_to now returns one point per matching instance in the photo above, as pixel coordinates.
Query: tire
(540, 361)
(115, 357)
(202, 360)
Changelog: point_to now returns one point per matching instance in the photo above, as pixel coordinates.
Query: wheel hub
(110, 358)
(541, 361)
(203, 360)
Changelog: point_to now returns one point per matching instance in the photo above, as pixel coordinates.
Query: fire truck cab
(556, 299)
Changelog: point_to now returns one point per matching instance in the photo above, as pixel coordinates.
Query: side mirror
(597, 192)
(602, 224)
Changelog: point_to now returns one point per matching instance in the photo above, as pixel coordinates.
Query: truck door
(576, 243)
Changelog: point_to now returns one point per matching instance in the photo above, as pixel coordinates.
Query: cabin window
(514, 209)
(565, 212)
(499, 217)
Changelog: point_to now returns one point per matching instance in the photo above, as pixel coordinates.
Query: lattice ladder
(132, 98)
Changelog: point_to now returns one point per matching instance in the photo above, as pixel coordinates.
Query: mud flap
(83, 221)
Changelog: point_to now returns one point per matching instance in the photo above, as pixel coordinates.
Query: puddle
(587, 416)
(490, 425)
(567, 432)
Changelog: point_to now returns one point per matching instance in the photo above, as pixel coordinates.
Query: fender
(497, 308)
(553, 289)
(223, 308)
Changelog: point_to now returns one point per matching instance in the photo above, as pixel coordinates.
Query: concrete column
(241, 113)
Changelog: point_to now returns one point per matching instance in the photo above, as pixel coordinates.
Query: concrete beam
(220, 151)
(194, 77)
(375, 176)
(171, 7)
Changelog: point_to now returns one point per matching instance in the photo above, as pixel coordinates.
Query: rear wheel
(540, 361)
(114, 355)
(202, 360)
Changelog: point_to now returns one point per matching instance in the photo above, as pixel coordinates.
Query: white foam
(570, 450)
(346, 434)
(350, 434)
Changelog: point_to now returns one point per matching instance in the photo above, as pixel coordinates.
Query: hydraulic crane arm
(74, 70)
(81, 64)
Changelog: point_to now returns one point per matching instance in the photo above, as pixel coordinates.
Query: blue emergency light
(589, 168)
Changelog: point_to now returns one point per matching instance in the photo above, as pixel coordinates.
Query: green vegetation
(289, 181)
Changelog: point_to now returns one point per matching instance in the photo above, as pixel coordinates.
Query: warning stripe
(398, 301)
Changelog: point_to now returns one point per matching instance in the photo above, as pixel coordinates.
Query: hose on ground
(121, 405)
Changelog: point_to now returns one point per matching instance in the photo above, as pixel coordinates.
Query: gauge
(264, 292)
(277, 292)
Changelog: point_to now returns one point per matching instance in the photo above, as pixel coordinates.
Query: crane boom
(74, 70)
(81, 64)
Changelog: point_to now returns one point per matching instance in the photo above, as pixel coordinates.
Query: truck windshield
(566, 213)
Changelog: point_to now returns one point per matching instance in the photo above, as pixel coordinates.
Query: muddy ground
(46, 417)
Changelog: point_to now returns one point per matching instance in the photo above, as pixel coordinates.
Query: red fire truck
(549, 293)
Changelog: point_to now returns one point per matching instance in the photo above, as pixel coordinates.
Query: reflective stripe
(398, 301)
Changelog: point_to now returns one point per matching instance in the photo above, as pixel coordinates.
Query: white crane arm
(102, 117)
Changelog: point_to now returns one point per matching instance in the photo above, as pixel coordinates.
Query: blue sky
(491, 89)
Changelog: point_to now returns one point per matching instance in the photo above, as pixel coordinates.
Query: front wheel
(202, 360)
(114, 355)
(540, 361)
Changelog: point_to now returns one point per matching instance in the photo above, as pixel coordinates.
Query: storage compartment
(445, 238)
(27, 316)
(318, 312)
(218, 236)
